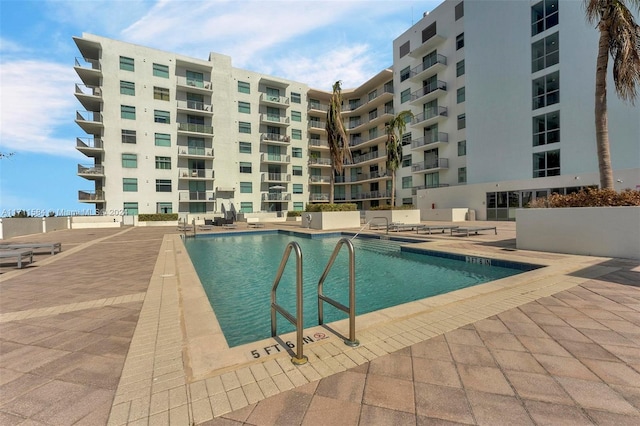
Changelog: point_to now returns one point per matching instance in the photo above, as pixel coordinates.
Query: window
(461, 95)
(405, 96)
(164, 208)
(130, 185)
(406, 139)
(161, 70)
(129, 161)
(244, 127)
(245, 167)
(545, 52)
(163, 163)
(246, 207)
(373, 133)
(126, 64)
(244, 87)
(546, 128)
(462, 175)
(406, 161)
(429, 32)
(295, 98)
(244, 147)
(459, 10)
(244, 107)
(546, 163)
(128, 112)
(407, 201)
(546, 90)
(130, 209)
(161, 93)
(128, 136)
(246, 187)
(544, 15)
(162, 139)
(462, 148)
(296, 134)
(298, 206)
(372, 95)
(297, 170)
(296, 152)
(407, 182)
(404, 49)
(296, 116)
(462, 121)
(161, 116)
(127, 88)
(163, 185)
(460, 68)
(459, 41)
(405, 74)
(297, 188)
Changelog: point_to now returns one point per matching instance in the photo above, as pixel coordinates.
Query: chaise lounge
(53, 247)
(19, 254)
(427, 229)
(473, 229)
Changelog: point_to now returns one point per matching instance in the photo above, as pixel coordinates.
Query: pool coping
(176, 353)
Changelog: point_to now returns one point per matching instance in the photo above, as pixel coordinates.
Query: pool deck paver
(116, 330)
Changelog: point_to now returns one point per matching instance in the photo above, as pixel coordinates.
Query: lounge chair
(473, 229)
(53, 247)
(399, 227)
(19, 254)
(427, 229)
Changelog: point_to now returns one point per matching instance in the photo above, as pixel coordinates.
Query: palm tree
(394, 147)
(336, 136)
(620, 37)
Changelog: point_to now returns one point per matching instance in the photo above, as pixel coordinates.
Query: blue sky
(316, 42)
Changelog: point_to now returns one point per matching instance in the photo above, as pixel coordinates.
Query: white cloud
(37, 100)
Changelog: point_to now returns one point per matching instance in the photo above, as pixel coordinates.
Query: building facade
(502, 95)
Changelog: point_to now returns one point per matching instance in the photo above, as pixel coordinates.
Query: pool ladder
(297, 320)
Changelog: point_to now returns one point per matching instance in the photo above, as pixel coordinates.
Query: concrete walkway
(110, 331)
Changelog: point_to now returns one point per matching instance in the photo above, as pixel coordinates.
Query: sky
(311, 41)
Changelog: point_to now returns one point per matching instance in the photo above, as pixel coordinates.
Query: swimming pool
(237, 272)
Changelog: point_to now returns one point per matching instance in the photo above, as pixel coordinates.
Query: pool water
(237, 273)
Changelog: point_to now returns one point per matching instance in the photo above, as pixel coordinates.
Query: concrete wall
(398, 216)
(331, 220)
(448, 215)
(14, 227)
(593, 231)
(84, 222)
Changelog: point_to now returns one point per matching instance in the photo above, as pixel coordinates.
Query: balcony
(415, 189)
(281, 101)
(195, 128)
(275, 139)
(90, 196)
(319, 161)
(89, 70)
(361, 177)
(317, 107)
(319, 197)
(274, 158)
(193, 86)
(90, 122)
(352, 124)
(428, 92)
(430, 140)
(319, 180)
(359, 140)
(196, 174)
(195, 107)
(196, 196)
(93, 172)
(91, 147)
(371, 195)
(89, 96)
(276, 196)
(368, 157)
(317, 125)
(429, 117)
(276, 177)
(271, 119)
(428, 45)
(195, 152)
(318, 143)
(428, 68)
(430, 165)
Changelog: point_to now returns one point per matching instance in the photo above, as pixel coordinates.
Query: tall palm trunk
(601, 117)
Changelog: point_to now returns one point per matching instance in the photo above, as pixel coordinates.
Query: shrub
(342, 207)
(591, 197)
(294, 213)
(157, 217)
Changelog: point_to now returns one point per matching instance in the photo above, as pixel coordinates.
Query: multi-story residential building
(503, 98)
(502, 95)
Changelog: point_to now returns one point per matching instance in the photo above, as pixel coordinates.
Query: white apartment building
(502, 94)
(503, 98)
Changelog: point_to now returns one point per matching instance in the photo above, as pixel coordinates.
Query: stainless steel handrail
(299, 359)
(351, 309)
(386, 220)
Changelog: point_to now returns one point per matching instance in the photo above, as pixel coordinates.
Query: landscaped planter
(331, 220)
(392, 216)
(592, 231)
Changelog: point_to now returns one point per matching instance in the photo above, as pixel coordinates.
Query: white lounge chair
(53, 247)
(473, 229)
(19, 254)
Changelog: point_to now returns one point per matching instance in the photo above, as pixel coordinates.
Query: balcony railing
(195, 151)
(91, 116)
(437, 163)
(370, 195)
(430, 138)
(276, 196)
(429, 114)
(415, 189)
(319, 197)
(90, 195)
(438, 59)
(194, 105)
(275, 137)
(272, 118)
(320, 161)
(429, 88)
(316, 124)
(318, 106)
(186, 173)
(368, 157)
(276, 177)
(352, 124)
(89, 143)
(274, 158)
(196, 196)
(360, 177)
(85, 89)
(319, 179)
(184, 81)
(196, 128)
(93, 64)
(321, 143)
(264, 97)
(90, 169)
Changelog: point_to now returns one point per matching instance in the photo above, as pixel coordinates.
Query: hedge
(157, 217)
(591, 197)
(342, 207)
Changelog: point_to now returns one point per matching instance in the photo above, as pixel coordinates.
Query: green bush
(294, 213)
(591, 197)
(342, 207)
(157, 217)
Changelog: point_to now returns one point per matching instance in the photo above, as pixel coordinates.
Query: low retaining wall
(447, 215)
(330, 220)
(398, 216)
(591, 231)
